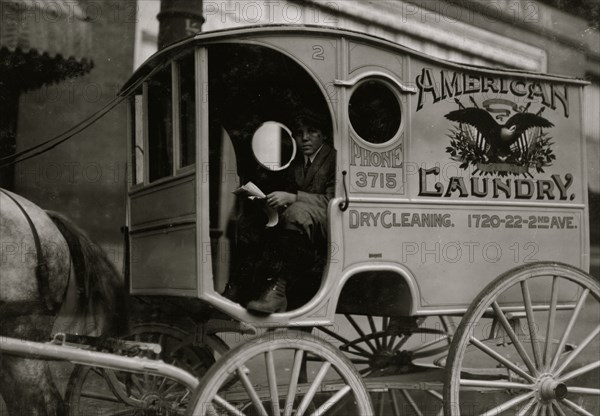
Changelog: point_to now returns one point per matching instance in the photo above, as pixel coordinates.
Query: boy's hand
(280, 199)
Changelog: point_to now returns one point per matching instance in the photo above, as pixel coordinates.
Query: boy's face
(309, 139)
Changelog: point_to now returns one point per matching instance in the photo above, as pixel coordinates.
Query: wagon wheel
(262, 377)
(387, 346)
(384, 345)
(547, 366)
(106, 392)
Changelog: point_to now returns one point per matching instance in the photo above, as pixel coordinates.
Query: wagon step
(112, 345)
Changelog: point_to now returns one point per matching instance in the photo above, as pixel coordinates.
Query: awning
(43, 41)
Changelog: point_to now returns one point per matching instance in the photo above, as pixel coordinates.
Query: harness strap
(41, 270)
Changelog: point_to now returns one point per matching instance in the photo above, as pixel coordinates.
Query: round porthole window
(375, 112)
(273, 146)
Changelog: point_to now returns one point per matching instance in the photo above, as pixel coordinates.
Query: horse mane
(100, 287)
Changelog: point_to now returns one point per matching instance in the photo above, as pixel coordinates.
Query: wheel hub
(381, 360)
(400, 361)
(152, 401)
(551, 389)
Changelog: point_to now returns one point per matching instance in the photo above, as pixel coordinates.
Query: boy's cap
(310, 118)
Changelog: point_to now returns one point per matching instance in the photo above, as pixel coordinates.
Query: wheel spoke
(580, 371)
(559, 410)
(360, 354)
(411, 402)
(531, 323)
(385, 322)
(570, 326)
(391, 341)
(289, 402)
(241, 372)
(584, 390)
(374, 330)
(493, 384)
(98, 371)
(577, 351)
(501, 359)
(394, 399)
(508, 405)
(576, 408)
(359, 331)
(161, 340)
(380, 403)
(551, 319)
(401, 343)
(227, 406)
(100, 396)
(270, 362)
(329, 403)
(310, 394)
(147, 380)
(430, 343)
(536, 409)
(384, 325)
(436, 395)
(162, 384)
(345, 342)
(440, 398)
(137, 384)
(357, 361)
(169, 389)
(429, 353)
(525, 409)
(513, 337)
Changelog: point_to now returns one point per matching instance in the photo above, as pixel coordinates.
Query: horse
(49, 268)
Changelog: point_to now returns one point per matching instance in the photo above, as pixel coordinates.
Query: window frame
(176, 71)
(177, 169)
(396, 91)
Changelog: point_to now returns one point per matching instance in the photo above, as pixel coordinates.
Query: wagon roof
(167, 53)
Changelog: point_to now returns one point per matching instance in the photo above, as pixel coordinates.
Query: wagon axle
(401, 360)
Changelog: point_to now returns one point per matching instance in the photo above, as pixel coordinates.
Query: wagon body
(460, 191)
(427, 210)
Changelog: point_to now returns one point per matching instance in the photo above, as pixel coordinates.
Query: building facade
(84, 177)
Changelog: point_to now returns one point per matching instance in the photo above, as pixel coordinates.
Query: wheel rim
(108, 392)
(537, 355)
(266, 377)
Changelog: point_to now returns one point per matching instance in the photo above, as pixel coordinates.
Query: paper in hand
(251, 191)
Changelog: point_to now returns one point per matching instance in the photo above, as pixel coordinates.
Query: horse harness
(41, 270)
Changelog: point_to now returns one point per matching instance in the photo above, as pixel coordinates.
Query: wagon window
(160, 125)
(137, 137)
(374, 112)
(273, 146)
(187, 106)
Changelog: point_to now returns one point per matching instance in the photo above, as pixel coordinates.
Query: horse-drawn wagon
(453, 280)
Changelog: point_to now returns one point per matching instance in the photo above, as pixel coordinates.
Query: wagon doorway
(254, 94)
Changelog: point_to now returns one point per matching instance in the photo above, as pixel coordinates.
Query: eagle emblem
(493, 145)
